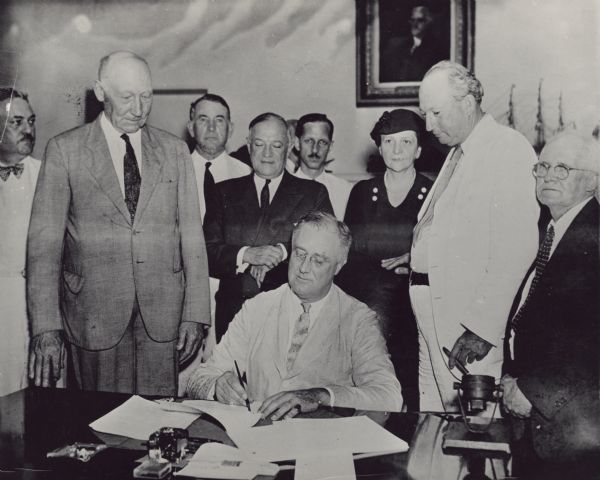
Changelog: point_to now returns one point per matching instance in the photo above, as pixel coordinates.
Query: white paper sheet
(214, 460)
(338, 466)
(297, 438)
(138, 418)
(232, 417)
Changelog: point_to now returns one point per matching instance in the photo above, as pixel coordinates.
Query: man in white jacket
(306, 343)
(475, 238)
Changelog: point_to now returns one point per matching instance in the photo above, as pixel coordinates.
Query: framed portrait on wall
(399, 40)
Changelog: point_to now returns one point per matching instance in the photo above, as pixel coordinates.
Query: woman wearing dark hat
(381, 214)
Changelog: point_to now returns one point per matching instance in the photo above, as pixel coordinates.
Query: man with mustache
(18, 176)
(314, 134)
(116, 256)
(475, 238)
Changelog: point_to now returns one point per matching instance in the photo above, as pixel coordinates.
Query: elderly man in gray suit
(117, 268)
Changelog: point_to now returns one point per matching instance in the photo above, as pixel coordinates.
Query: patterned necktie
(132, 177)
(16, 170)
(209, 182)
(264, 196)
(540, 264)
(437, 193)
(300, 334)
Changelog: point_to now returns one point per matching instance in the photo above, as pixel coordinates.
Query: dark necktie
(300, 334)
(540, 264)
(209, 182)
(16, 170)
(131, 176)
(264, 196)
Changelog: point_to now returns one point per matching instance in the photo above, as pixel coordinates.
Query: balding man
(115, 250)
(551, 387)
(475, 237)
(248, 226)
(18, 176)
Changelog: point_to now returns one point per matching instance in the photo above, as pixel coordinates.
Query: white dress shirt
(337, 188)
(116, 147)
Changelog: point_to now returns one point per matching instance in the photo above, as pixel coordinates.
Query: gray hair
(326, 221)
(120, 54)
(8, 93)
(462, 81)
(585, 149)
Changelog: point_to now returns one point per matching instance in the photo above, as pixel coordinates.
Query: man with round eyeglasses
(551, 383)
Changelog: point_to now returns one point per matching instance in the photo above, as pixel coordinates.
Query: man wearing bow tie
(18, 175)
(116, 257)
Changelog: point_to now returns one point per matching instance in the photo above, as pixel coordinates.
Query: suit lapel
(96, 157)
(284, 202)
(151, 169)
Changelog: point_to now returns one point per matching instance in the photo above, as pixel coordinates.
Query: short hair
(323, 220)
(209, 97)
(585, 149)
(107, 59)
(263, 117)
(8, 93)
(461, 79)
(311, 118)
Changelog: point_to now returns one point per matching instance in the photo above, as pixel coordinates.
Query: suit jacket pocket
(73, 281)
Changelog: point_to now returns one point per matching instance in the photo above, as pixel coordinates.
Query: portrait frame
(370, 90)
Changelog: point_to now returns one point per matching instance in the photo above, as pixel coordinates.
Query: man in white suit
(475, 238)
(18, 176)
(306, 343)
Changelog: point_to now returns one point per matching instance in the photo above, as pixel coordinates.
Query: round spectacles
(541, 169)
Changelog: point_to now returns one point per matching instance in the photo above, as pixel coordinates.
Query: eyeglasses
(541, 169)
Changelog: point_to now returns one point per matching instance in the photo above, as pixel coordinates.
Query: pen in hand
(242, 383)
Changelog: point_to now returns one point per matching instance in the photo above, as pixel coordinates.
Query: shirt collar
(301, 174)
(315, 307)
(273, 186)
(114, 136)
(217, 159)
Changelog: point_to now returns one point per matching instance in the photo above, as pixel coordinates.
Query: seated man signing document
(306, 343)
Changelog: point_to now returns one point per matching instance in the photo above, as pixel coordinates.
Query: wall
(291, 56)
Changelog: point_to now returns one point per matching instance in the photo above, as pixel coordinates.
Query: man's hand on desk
(268, 255)
(190, 338)
(290, 404)
(47, 356)
(468, 348)
(228, 389)
(513, 399)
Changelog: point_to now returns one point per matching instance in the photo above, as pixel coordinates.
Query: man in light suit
(249, 221)
(475, 237)
(306, 343)
(551, 388)
(18, 176)
(116, 257)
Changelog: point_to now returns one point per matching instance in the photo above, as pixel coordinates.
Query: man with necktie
(249, 221)
(18, 176)
(306, 343)
(551, 386)
(116, 257)
(475, 237)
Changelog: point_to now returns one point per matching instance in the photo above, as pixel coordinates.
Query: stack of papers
(304, 437)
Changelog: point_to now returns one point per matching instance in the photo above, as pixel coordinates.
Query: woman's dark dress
(381, 231)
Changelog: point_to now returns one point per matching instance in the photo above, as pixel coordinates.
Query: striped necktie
(131, 177)
(300, 334)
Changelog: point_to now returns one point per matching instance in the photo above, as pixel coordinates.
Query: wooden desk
(37, 420)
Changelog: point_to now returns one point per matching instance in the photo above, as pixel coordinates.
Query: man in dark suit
(115, 257)
(551, 388)
(249, 223)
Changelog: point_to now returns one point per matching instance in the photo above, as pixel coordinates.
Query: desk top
(37, 420)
